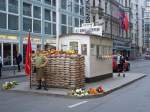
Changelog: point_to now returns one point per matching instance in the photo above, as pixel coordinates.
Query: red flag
(126, 22)
(28, 57)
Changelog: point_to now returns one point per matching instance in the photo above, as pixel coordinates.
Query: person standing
(40, 63)
(19, 60)
(0, 66)
(120, 64)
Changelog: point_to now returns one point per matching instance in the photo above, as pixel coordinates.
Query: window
(81, 22)
(63, 19)
(97, 51)
(12, 22)
(26, 9)
(106, 6)
(93, 49)
(3, 20)
(82, 11)
(81, 2)
(7, 54)
(84, 49)
(63, 4)
(76, 22)
(47, 14)
(63, 29)
(15, 51)
(54, 2)
(54, 29)
(106, 23)
(54, 16)
(76, 8)
(126, 3)
(48, 2)
(13, 6)
(69, 20)
(37, 26)
(27, 24)
(3, 5)
(37, 12)
(77, 1)
(70, 5)
(47, 28)
(74, 46)
(93, 19)
(93, 3)
(69, 29)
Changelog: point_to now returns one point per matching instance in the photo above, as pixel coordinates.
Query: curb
(75, 97)
(13, 76)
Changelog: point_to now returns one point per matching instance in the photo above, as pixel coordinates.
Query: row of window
(37, 12)
(68, 5)
(13, 5)
(27, 8)
(50, 28)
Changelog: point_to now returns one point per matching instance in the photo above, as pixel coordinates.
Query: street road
(132, 98)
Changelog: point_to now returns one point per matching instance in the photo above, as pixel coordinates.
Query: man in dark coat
(19, 60)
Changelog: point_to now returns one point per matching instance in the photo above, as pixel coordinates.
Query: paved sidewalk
(109, 85)
(12, 74)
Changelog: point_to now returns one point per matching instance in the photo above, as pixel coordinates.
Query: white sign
(96, 30)
(87, 24)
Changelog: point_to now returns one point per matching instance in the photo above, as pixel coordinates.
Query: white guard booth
(97, 51)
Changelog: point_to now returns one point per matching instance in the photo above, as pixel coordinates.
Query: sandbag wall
(64, 72)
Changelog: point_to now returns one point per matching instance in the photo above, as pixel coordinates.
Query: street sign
(89, 28)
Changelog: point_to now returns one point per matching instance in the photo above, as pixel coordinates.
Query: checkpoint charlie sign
(89, 28)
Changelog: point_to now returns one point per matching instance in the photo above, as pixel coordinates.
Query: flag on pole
(126, 22)
(121, 18)
(28, 57)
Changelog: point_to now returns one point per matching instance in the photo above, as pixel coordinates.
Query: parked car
(115, 66)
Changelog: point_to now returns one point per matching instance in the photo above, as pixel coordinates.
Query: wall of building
(110, 20)
(147, 24)
(18, 16)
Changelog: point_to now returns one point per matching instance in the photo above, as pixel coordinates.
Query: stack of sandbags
(65, 72)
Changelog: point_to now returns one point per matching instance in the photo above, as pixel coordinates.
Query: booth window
(93, 49)
(74, 46)
(84, 49)
(97, 51)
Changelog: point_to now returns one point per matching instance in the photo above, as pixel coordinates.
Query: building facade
(147, 24)
(137, 31)
(108, 14)
(38, 16)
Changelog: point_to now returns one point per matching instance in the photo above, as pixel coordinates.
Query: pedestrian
(0, 66)
(40, 63)
(19, 60)
(120, 64)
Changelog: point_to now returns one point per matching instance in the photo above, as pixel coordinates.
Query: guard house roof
(91, 35)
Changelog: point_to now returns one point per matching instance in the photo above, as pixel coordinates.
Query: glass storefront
(7, 54)
(15, 51)
(24, 52)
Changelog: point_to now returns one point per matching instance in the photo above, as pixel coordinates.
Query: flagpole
(57, 24)
(30, 66)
